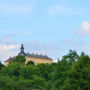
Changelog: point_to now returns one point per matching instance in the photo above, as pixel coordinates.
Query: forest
(72, 72)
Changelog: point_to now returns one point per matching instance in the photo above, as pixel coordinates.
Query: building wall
(38, 60)
(35, 60)
(6, 63)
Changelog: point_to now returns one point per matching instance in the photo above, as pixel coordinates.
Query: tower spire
(22, 48)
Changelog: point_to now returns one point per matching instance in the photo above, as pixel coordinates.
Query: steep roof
(11, 58)
(37, 56)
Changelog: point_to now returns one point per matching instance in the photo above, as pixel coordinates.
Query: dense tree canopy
(72, 72)
(30, 63)
(1, 65)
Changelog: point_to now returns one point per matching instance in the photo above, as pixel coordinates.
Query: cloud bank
(7, 51)
(84, 29)
(8, 47)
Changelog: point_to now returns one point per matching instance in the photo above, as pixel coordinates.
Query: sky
(49, 27)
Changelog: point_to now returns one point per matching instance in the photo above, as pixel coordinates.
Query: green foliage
(1, 65)
(19, 59)
(79, 75)
(71, 57)
(6, 83)
(45, 70)
(72, 72)
(28, 72)
(30, 63)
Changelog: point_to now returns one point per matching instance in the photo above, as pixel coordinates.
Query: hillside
(72, 72)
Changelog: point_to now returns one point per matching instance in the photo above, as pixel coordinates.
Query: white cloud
(9, 8)
(7, 51)
(8, 47)
(84, 29)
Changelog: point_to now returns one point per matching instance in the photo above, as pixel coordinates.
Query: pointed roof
(22, 51)
(22, 47)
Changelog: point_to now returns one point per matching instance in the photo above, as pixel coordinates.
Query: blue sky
(49, 27)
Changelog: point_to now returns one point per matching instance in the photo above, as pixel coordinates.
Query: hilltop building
(36, 58)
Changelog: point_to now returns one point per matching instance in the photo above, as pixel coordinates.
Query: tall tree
(71, 57)
(30, 63)
(1, 65)
(79, 75)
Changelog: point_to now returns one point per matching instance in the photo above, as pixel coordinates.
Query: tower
(22, 48)
(22, 51)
